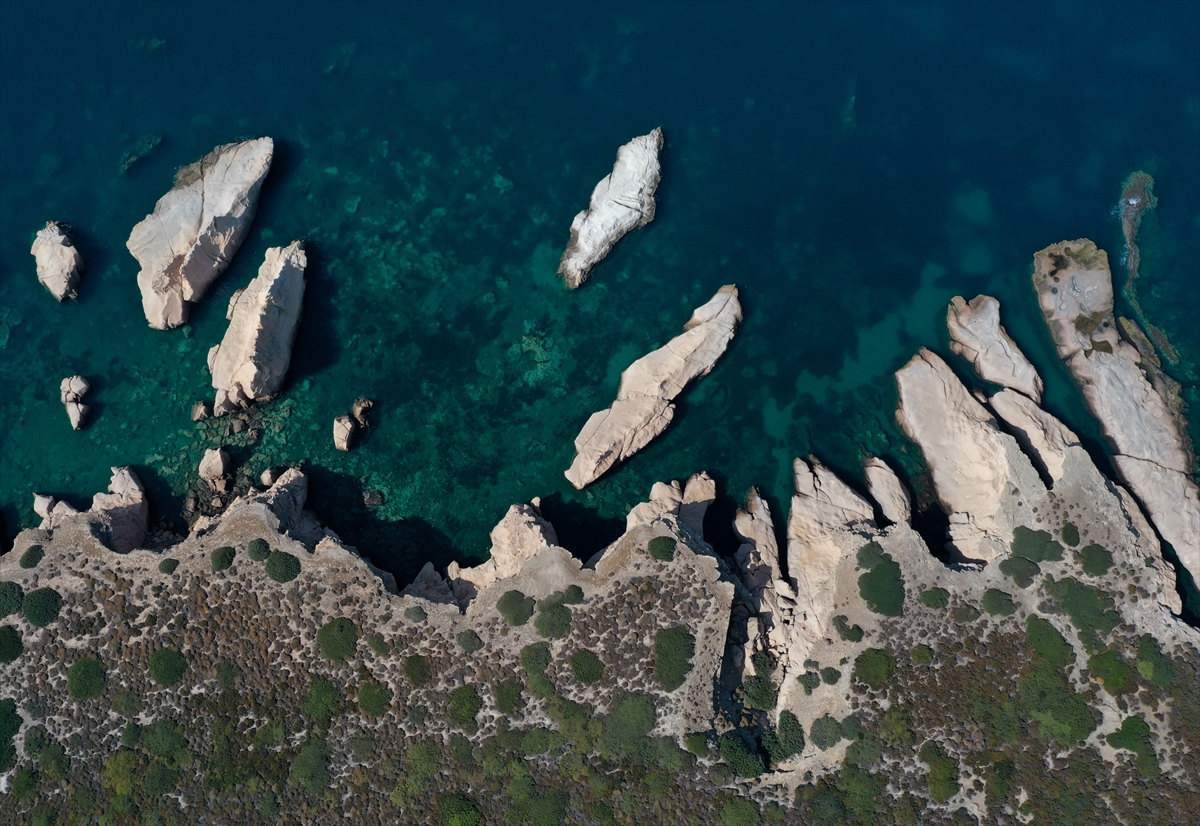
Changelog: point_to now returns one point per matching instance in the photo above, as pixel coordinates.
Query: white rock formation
(983, 479)
(643, 407)
(888, 491)
(251, 361)
(71, 392)
(1074, 287)
(976, 335)
(121, 515)
(622, 201)
(688, 503)
(215, 465)
(344, 429)
(197, 227)
(58, 262)
(1043, 436)
(515, 540)
(773, 600)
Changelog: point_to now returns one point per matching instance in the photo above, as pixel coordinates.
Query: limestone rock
(643, 406)
(515, 540)
(888, 491)
(196, 228)
(984, 481)
(1074, 287)
(687, 503)
(58, 262)
(976, 335)
(772, 597)
(71, 392)
(250, 363)
(344, 429)
(429, 585)
(622, 201)
(215, 466)
(124, 512)
(201, 411)
(1042, 436)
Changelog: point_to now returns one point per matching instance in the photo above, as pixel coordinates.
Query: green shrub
(378, 644)
(222, 558)
(586, 667)
(935, 598)
(258, 550)
(282, 566)
(85, 680)
(1153, 665)
(469, 641)
(825, 732)
(164, 739)
(515, 607)
(1020, 570)
(943, 773)
(736, 811)
(662, 547)
(761, 692)
(845, 631)
(965, 613)
(415, 613)
(322, 702)
(1134, 735)
(1095, 560)
(11, 646)
(882, 586)
(873, 667)
(922, 655)
(417, 669)
(41, 607)
(508, 696)
(810, 680)
(572, 595)
(227, 676)
(167, 666)
(463, 704)
(310, 771)
(168, 566)
(1062, 714)
(374, 698)
(1070, 534)
(1037, 546)
(673, 652)
(998, 602)
(1112, 672)
(1090, 610)
(830, 675)
(458, 810)
(160, 778)
(554, 621)
(423, 760)
(786, 741)
(32, 556)
(697, 743)
(740, 757)
(36, 740)
(337, 639)
(11, 597)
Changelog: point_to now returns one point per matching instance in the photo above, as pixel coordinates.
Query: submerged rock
(58, 262)
(643, 406)
(71, 393)
(1074, 287)
(622, 201)
(251, 361)
(196, 228)
(976, 335)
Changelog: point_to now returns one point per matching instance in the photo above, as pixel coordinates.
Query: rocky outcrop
(71, 392)
(250, 363)
(58, 262)
(688, 503)
(344, 428)
(515, 540)
(1043, 437)
(120, 516)
(984, 481)
(215, 467)
(622, 201)
(888, 491)
(772, 598)
(196, 228)
(643, 407)
(1074, 287)
(976, 335)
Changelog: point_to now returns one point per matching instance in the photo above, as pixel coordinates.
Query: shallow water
(433, 157)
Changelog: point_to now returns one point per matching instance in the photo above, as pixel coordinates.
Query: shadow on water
(580, 529)
(97, 258)
(317, 344)
(164, 502)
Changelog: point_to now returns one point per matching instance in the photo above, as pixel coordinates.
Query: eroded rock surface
(623, 200)
(1044, 437)
(344, 428)
(1074, 287)
(887, 490)
(58, 262)
(515, 540)
(976, 335)
(120, 516)
(214, 466)
(643, 406)
(197, 227)
(71, 392)
(250, 363)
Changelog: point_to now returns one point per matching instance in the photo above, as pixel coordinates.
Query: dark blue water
(433, 156)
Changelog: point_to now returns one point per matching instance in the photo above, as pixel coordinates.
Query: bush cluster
(463, 704)
(417, 669)
(846, 631)
(41, 607)
(935, 598)
(323, 701)
(337, 639)
(1134, 735)
(943, 773)
(222, 558)
(85, 680)
(258, 550)
(786, 741)
(11, 646)
(458, 810)
(882, 586)
(415, 613)
(32, 556)
(469, 641)
(998, 602)
(515, 607)
(310, 771)
(168, 566)
(825, 732)
(282, 566)
(11, 598)
(873, 667)
(673, 652)
(508, 696)
(744, 760)
(535, 659)
(586, 666)
(1095, 560)
(167, 666)
(662, 547)
(374, 698)
(1046, 641)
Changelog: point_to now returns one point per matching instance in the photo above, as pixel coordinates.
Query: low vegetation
(515, 607)
(338, 639)
(662, 547)
(282, 566)
(882, 586)
(167, 666)
(222, 558)
(673, 652)
(32, 556)
(86, 679)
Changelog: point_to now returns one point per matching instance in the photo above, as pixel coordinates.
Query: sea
(850, 166)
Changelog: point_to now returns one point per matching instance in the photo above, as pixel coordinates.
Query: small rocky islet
(1032, 667)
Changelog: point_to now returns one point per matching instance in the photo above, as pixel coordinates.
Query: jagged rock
(215, 465)
(360, 410)
(42, 505)
(984, 481)
(429, 585)
(197, 227)
(1074, 287)
(201, 411)
(123, 512)
(270, 476)
(623, 200)
(344, 429)
(71, 392)
(976, 335)
(1041, 435)
(58, 262)
(688, 503)
(888, 491)
(643, 406)
(515, 540)
(757, 558)
(251, 361)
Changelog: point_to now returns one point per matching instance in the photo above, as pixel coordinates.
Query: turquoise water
(433, 157)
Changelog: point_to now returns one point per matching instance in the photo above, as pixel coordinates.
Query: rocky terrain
(58, 262)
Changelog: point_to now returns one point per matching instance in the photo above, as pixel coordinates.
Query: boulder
(200, 411)
(622, 201)
(71, 392)
(250, 363)
(687, 503)
(888, 491)
(1140, 418)
(58, 262)
(643, 406)
(344, 429)
(515, 540)
(196, 228)
(124, 512)
(360, 411)
(976, 335)
(215, 465)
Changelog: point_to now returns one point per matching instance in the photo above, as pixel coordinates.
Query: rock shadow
(580, 529)
(317, 346)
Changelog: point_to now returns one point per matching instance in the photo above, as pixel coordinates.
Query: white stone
(976, 335)
(515, 540)
(622, 201)
(214, 465)
(888, 491)
(71, 392)
(344, 429)
(1043, 436)
(58, 262)
(124, 512)
(197, 227)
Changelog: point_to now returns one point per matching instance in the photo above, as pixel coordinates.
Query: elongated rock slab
(58, 262)
(1074, 287)
(622, 201)
(196, 228)
(976, 335)
(643, 406)
(250, 363)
